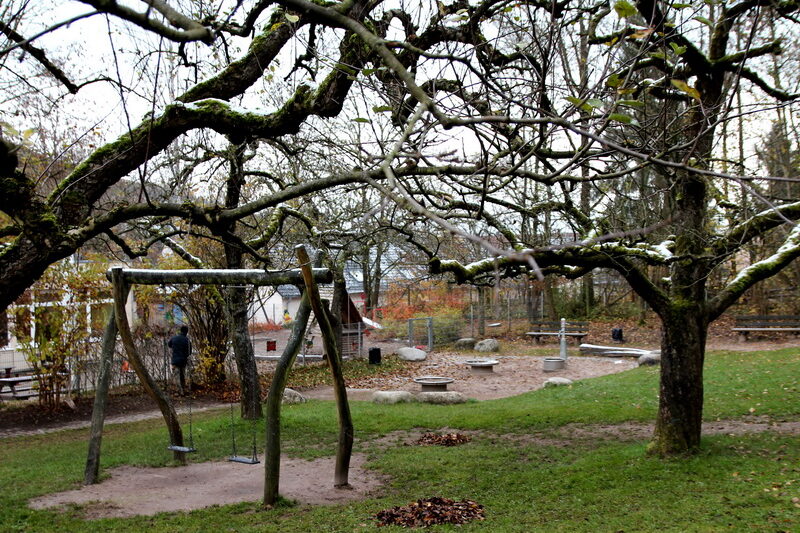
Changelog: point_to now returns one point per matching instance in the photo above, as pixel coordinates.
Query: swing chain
(191, 435)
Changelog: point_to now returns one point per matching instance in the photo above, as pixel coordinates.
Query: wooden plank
(17, 379)
(776, 329)
(220, 276)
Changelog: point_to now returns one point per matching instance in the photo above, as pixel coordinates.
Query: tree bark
(372, 273)
(148, 383)
(236, 311)
(272, 459)
(549, 299)
(92, 470)
(340, 297)
(680, 410)
(236, 297)
(481, 311)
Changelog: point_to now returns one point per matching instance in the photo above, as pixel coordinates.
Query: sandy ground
(135, 491)
(511, 376)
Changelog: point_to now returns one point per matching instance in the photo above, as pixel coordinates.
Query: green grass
(734, 483)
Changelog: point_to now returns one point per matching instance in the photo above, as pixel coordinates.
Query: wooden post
(345, 446)
(92, 470)
(272, 455)
(150, 386)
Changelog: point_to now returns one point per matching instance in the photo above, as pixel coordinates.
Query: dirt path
(116, 419)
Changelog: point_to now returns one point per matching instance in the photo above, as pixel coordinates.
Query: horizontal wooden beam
(212, 276)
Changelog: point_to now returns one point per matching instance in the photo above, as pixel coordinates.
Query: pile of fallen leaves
(431, 511)
(448, 439)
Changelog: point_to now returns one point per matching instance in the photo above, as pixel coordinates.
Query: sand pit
(133, 491)
(512, 375)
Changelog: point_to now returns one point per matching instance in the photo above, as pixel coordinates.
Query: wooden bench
(766, 324)
(576, 330)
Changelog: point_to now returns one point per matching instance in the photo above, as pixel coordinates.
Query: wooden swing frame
(306, 278)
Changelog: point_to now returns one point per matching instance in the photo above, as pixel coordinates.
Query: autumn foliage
(431, 511)
(428, 298)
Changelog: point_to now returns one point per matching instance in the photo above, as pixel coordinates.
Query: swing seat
(243, 460)
(184, 449)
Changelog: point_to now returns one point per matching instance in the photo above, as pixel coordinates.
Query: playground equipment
(552, 364)
(190, 444)
(482, 366)
(433, 383)
(236, 458)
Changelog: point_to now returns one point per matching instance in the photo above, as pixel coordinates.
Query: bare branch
(188, 29)
(40, 56)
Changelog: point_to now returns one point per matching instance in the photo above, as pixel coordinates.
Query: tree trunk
(372, 274)
(549, 299)
(92, 469)
(680, 410)
(587, 293)
(236, 298)
(339, 300)
(236, 311)
(481, 304)
(272, 455)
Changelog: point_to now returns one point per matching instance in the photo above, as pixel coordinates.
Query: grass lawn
(525, 482)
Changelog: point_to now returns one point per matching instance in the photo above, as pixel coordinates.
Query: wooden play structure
(306, 279)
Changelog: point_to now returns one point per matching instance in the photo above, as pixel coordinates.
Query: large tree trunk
(549, 299)
(372, 274)
(680, 410)
(236, 311)
(236, 300)
(339, 300)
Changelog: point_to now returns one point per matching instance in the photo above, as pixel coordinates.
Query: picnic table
(13, 379)
(545, 328)
(25, 377)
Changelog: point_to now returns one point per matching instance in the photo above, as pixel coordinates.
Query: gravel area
(512, 375)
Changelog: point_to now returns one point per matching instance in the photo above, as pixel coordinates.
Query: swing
(190, 448)
(234, 458)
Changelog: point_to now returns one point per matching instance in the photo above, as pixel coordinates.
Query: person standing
(181, 350)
